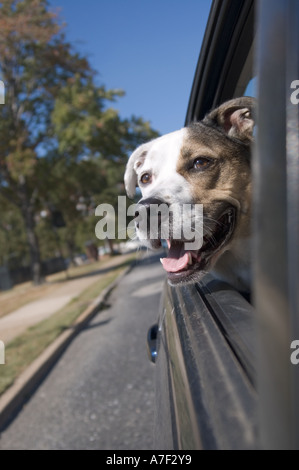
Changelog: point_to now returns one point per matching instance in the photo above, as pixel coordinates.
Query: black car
(224, 375)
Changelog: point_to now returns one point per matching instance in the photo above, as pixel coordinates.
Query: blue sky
(147, 48)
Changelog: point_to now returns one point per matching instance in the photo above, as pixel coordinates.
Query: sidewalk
(15, 323)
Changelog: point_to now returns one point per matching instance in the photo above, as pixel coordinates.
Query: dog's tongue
(177, 258)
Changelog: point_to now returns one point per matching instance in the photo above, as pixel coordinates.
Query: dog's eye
(201, 163)
(145, 178)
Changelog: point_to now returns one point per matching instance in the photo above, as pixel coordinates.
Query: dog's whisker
(214, 221)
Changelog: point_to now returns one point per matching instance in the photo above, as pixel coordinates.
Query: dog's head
(205, 163)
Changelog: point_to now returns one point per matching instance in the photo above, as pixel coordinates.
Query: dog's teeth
(190, 258)
(161, 260)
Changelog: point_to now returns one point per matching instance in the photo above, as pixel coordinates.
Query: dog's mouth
(181, 264)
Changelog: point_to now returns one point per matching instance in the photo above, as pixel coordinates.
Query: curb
(12, 400)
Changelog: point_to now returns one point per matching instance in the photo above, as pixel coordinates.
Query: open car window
(207, 329)
(225, 360)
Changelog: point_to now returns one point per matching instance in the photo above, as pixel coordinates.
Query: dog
(208, 163)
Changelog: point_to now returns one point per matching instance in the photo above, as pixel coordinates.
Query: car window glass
(251, 89)
(245, 85)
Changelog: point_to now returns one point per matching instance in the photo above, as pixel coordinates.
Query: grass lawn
(24, 293)
(22, 351)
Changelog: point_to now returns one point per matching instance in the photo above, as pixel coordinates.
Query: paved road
(100, 394)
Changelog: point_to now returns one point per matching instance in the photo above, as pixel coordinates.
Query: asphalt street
(100, 394)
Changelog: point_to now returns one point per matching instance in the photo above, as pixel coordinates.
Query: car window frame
(211, 307)
(227, 41)
(274, 380)
(276, 247)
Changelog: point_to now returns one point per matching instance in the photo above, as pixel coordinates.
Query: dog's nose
(146, 204)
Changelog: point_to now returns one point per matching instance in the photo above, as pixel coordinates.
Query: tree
(68, 195)
(95, 143)
(13, 246)
(35, 62)
(54, 119)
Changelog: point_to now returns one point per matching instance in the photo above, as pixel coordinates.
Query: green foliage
(63, 147)
(13, 244)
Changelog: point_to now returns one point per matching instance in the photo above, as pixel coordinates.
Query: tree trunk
(32, 239)
(109, 245)
(71, 249)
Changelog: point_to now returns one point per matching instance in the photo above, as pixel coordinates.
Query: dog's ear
(235, 118)
(135, 160)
